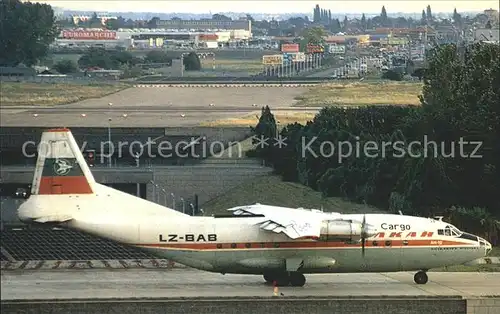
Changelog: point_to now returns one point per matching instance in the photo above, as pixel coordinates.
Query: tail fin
(61, 168)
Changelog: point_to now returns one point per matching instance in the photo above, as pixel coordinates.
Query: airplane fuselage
(237, 245)
(280, 243)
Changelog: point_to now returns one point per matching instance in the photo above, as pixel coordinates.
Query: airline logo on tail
(62, 167)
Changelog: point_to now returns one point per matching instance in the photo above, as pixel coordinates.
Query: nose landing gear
(421, 278)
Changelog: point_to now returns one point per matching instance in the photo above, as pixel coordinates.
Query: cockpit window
(449, 231)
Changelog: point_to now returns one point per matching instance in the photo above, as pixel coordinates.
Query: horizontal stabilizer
(58, 218)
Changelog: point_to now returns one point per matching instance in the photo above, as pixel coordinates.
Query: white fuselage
(238, 245)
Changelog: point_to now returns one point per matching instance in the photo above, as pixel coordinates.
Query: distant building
(17, 71)
(493, 15)
(241, 25)
(487, 35)
(101, 16)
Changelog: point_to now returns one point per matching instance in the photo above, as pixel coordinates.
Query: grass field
(271, 190)
(232, 65)
(361, 94)
(283, 117)
(336, 94)
(22, 94)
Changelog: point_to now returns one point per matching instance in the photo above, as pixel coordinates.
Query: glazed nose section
(485, 244)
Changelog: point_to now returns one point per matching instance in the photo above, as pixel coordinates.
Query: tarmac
(191, 291)
(182, 283)
(156, 107)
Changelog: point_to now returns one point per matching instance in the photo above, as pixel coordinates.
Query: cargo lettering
(411, 234)
(426, 234)
(188, 237)
(401, 227)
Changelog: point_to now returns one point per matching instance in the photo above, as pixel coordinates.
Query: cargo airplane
(282, 244)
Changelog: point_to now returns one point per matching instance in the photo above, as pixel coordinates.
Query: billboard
(290, 48)
(336, 49)
(272, 60)
(208, 37)
(88, 35)
(299, 57)
(315, 48)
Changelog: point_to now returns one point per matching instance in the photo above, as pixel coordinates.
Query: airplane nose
(487, 245)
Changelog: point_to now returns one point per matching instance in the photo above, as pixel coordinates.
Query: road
(176, 283)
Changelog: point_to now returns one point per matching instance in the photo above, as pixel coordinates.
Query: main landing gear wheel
(421, 278)
(294, 279)
(297, 279)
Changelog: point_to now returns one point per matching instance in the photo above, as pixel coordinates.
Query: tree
(316, 14)
(65, 67)
(457, 18)
(192, 62)
(99, 57)
(313, 36)
(383, 17)
(27, 31)
(429, 14)
(345, 24)
(264, 132)
(423, 21)
(220, 17)
(157, 56)
(393, 75)
(363, 22)
(115, 24)
(153, 23)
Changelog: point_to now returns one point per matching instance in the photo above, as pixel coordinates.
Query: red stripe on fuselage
(64, 185)
(304, 245)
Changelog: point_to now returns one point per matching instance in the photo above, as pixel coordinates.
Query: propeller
(363, 235)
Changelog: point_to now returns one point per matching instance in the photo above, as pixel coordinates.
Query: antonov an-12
(280, 243)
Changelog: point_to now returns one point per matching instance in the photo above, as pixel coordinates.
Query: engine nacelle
(319, 263)
(345, 230)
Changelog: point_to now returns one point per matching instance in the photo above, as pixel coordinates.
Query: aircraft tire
(297, 280)
(282, 280)
(421, 278)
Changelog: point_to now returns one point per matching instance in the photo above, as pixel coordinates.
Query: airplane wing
(294, 222)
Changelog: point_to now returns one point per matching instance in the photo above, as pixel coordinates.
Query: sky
(270, 6)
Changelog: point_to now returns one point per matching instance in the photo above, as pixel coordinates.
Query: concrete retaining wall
(257, 84)
(90, 264)
(393, 305)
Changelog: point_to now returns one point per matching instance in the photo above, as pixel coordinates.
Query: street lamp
(192, 208)
(109, 133)
(164, 196)
(173, 201)
(154, 188)
(157, 194)
(183, 206)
